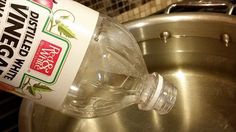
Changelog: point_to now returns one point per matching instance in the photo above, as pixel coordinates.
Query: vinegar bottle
(75, 60)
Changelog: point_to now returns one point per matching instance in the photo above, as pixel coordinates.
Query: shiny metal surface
(202, 3)
(226, 39)
(194, 58)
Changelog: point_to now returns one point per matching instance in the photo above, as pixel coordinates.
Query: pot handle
(202, 3)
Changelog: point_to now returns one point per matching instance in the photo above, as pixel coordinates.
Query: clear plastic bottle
(57, 45)
(113, 75)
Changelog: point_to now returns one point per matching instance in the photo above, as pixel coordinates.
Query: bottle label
(42, 45)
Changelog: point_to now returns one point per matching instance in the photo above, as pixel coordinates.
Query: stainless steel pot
(195, 51)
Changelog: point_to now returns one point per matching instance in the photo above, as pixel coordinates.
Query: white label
(42, 46)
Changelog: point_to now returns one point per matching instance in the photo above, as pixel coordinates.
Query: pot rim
(178, 17)
(179, 23)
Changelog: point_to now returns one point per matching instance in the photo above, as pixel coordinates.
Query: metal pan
(195, 51)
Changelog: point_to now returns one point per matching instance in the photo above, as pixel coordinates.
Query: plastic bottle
(70, 58)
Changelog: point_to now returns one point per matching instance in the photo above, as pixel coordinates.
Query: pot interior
(195, 59)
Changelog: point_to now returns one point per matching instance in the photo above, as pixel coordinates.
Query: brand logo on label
(46, 57)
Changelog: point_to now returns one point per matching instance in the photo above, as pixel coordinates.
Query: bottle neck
(157, 94)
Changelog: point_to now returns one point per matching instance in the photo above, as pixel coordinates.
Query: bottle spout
(165, 101)
(160, 96)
